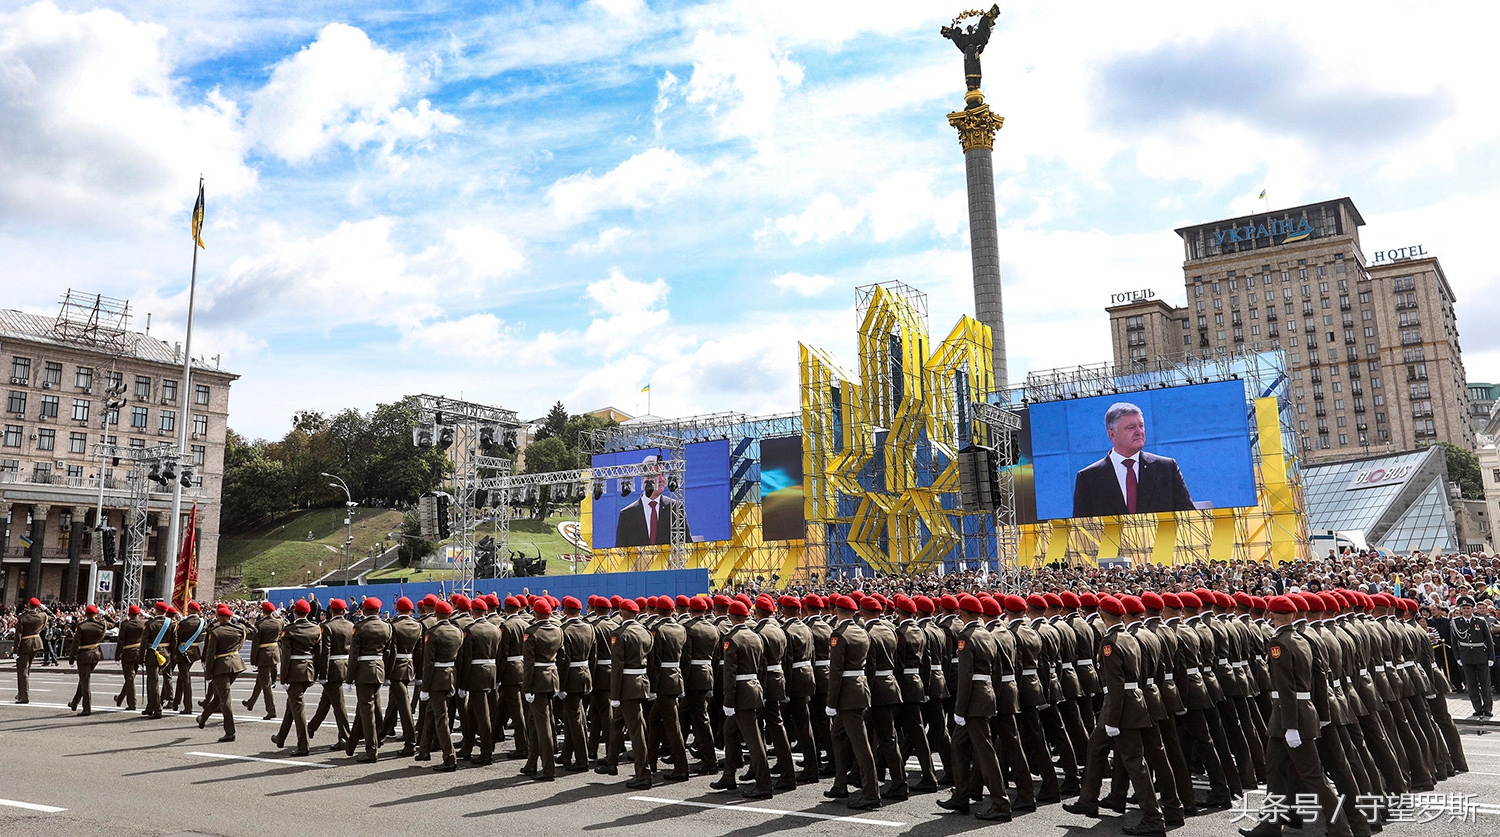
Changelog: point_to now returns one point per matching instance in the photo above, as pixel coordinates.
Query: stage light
(510, 441)
(598, 489)
(445, 437)
(672, 484)
(487, 437)
(625, 486)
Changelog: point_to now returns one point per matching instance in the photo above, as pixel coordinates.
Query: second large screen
(1187, 447)
(625, 520)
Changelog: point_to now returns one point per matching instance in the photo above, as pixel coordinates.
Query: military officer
(128, 651)
(664, 672)
(264, 656)
(742, 651)
(400, 670)
(848, 698)
(797, 667)
(698, 682)
(366, 667)
(440, 647)
(601, 724)
(973, 707)
(157, 641)
(575, 668)
(87, 635)
(936, 689)
(187, 648)
(1476, 652)
(630, 646)
(540, 679)
(29, 629)
(333, 671)
(885, 697)
(773, 690)
(476, 681)
(821, 626)
(221, 665)
(511, 663)
(299, 649)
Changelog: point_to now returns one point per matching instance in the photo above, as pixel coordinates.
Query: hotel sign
(1398, 254)
(1132, 296)
(1294, 230)
(1374, 477)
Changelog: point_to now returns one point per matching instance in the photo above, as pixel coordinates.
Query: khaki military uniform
(400, 671)
(86, 655)
(366, 666)
(264, 655)
(540, 680)
(849, 697)
(333, 671)
(29, 630)
(221, 665)
(299, 650)
(742, 652)
(440, 647)
(128, 652)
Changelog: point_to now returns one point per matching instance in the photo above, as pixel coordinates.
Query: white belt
(701, 662)
(1297, 695)
(1407, 664)
(911, 671)
(1365, 672)
(404, 656)
(776, 668)
(1066, 666)
(981, 678)
(1007, 678)
(1349, 683)
(1193, 670)
(1223, 661)
(1132, 685)
(1029, 672)
(885, 672)
(673, 664)
(854, 674)
(442, 665)
(1472, 644)
(953, 660)
(1170, 676)
(579, 664)
(935, 666)
(1085, 662)
(603, 663)
(821, 663)
(1150, 681)
(488, 662)
(543, 664)
(1380, 666)
(301, 657)
(516, 659)
(744, 677)
(368, 658)
(633, 671)
(802, 664)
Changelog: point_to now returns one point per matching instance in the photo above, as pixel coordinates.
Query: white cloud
(95, 128)
(896, 205)
(824, 219)
(746, 74)
(608, 239)
(472, 255)
(642, 180)
(801, 284)
(341, 89)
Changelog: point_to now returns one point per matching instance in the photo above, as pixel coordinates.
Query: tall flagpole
(174, 525)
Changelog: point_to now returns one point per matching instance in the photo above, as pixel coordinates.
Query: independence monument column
(976, 133)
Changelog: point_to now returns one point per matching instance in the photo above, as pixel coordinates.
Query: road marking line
(775, 811)
(32, 806)
(257, 758)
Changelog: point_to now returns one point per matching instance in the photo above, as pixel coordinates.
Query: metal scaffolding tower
(143, 461)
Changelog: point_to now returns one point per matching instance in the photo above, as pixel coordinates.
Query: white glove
(323, 682)
(1111, 731)
(925, 699)
(614, 704)
(729, 711)
(651, 696)
(463, 693)
(1183, 712)
(960, 720)
(1322, 724)
(530, 697)
(1293, 739)
(831, 711)
(423, 696)
(562, 695)
(349, 687)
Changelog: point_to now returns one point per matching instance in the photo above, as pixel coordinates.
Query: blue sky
(520, 203)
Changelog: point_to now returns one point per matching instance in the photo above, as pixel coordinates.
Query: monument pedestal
(977, 127)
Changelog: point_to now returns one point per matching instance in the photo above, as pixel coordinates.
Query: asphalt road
(119, 773)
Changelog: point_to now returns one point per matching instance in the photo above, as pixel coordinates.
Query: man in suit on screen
(1128, 480)
(649, 519)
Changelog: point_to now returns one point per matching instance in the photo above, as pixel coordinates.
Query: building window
(46, 439)
(113, 416)
(200, 394)
(80, 409)
(16, 403)
(168, 420)
(20, 370)
(78, 443)
(138, 417)
(199, 455)
(168, 391)
(200, 423)
(75, 472)
(114, 380)
(1187, 340)
(84, 377)
(52, 374)
(49, 406)
(41, 472)
(12, 435)
(138, 444)
(10, 465)
(1343, 438)
(142, 387)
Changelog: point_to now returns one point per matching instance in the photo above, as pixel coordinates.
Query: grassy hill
(525, 536)
(283, 546)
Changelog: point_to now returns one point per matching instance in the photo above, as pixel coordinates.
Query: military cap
(765, 602)
(1014, 603)
(629, 606)
(572, 603)
(336, 605)
(267, 607)
(1152, 600)
(403, 605)
(135, 610)
(871, 604)
(948, 601)
(1088, 600)
(35, 602)
(1281, 604)
(970, 604)
(1052, 599)
(1190, 600)
(459, 601)
(721, 600)
(1036, 601)
(1133, 604)
(737, 608)
(845, 603)
(698, 603)
(541, 607)
(790, 602)
(91, 610)
(1069, 599)
(814, 601)
(1110, 604)
(223, 610)
(682, 601)
(1258, 602)
(194, 607)
(925, 604)
(372, 604)
(442, 608)
(1243, 599)
(1171, 600)
(1465, 601)
(302, 607)
(1330, 603)
(991, 606)
(903, 603)
(479, 605)
(161, 606)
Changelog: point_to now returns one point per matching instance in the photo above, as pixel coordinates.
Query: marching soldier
(299, 649)
(600, 721)
(1034, 702)
(973, 706)
(1192, 724)
(885, 697)
(1476, 652)
(511, 663)
(476, 676)
(333, 670)
(540, 679)
(664, 671)
(86, 638)
(701, 639)
(630, 645)
(742, 650)
(440, 647)
(1004, 727)
(187, 648)
(157, 637)
(29, 629)
(366, 667)
(911, 675)
(933, 708)
(128, 650)
(575, 668)
(801, 685)
(221, 665)
(848, 698)
(822, 723)
(773, 690)
(263, 655)
(400, 669)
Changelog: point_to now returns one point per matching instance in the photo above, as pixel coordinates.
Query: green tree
(578, 426)
(546, 456)
(255, 486)
(555, 423)
(1463, 469)
(413, 547)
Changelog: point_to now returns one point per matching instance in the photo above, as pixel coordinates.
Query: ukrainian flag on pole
(198, 216)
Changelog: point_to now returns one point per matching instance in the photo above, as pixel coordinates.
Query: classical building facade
(1372, 343)
(54, 415)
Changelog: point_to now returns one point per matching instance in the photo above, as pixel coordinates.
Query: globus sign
(1372, 477)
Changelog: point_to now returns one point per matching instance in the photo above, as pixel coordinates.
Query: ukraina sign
(1293, 229)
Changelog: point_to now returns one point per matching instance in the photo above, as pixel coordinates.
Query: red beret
(924, 604)
(814, 601)
(459, 601)
(541, 607)
(135, 610)
(1088, 600)
(790, 602)
(765, 602)
(302, 607)
(904, 603)
(1133, 604)
(682, 601)
(1052, 599)
(91, 610)
(161, 606)
(35, 602)
(871, 604)
(737, 608)
(1152, 601)
(403, 605)
(857, 595)
(1014, 603)
(512, 601)
(948, 601)
(1259, 602)
(1280, 604)
(1298, 601)
(629, 606)
(334, 605)
(1224, 600)
(699, 603)
(844, 603)
(745, 598)
(1171, 600)
(884, 602)
(172, 610)
(991, 607)
(429, 600)
(193, 607)
(1314, 601)
(640, 601)
(1330, 602)
(969, 604)
(1243, 599)
(479, 605)
(1069, 599)
(222, 610)
(721, 600)
(572, 603)
(1190, 600)
(442, 608)
(1204, 594)
(1110, 604)
(372, 604)
(614, 600)
(267, 607)
(1036, 601)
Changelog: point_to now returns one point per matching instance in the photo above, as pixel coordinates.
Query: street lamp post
(348, 523)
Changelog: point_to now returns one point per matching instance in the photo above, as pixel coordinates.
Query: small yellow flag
(198, 216)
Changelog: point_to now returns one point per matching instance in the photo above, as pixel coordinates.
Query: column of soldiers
(1334, 695)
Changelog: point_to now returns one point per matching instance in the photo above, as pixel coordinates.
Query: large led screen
(1153, 451)
(626, 519)
(781, 514)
